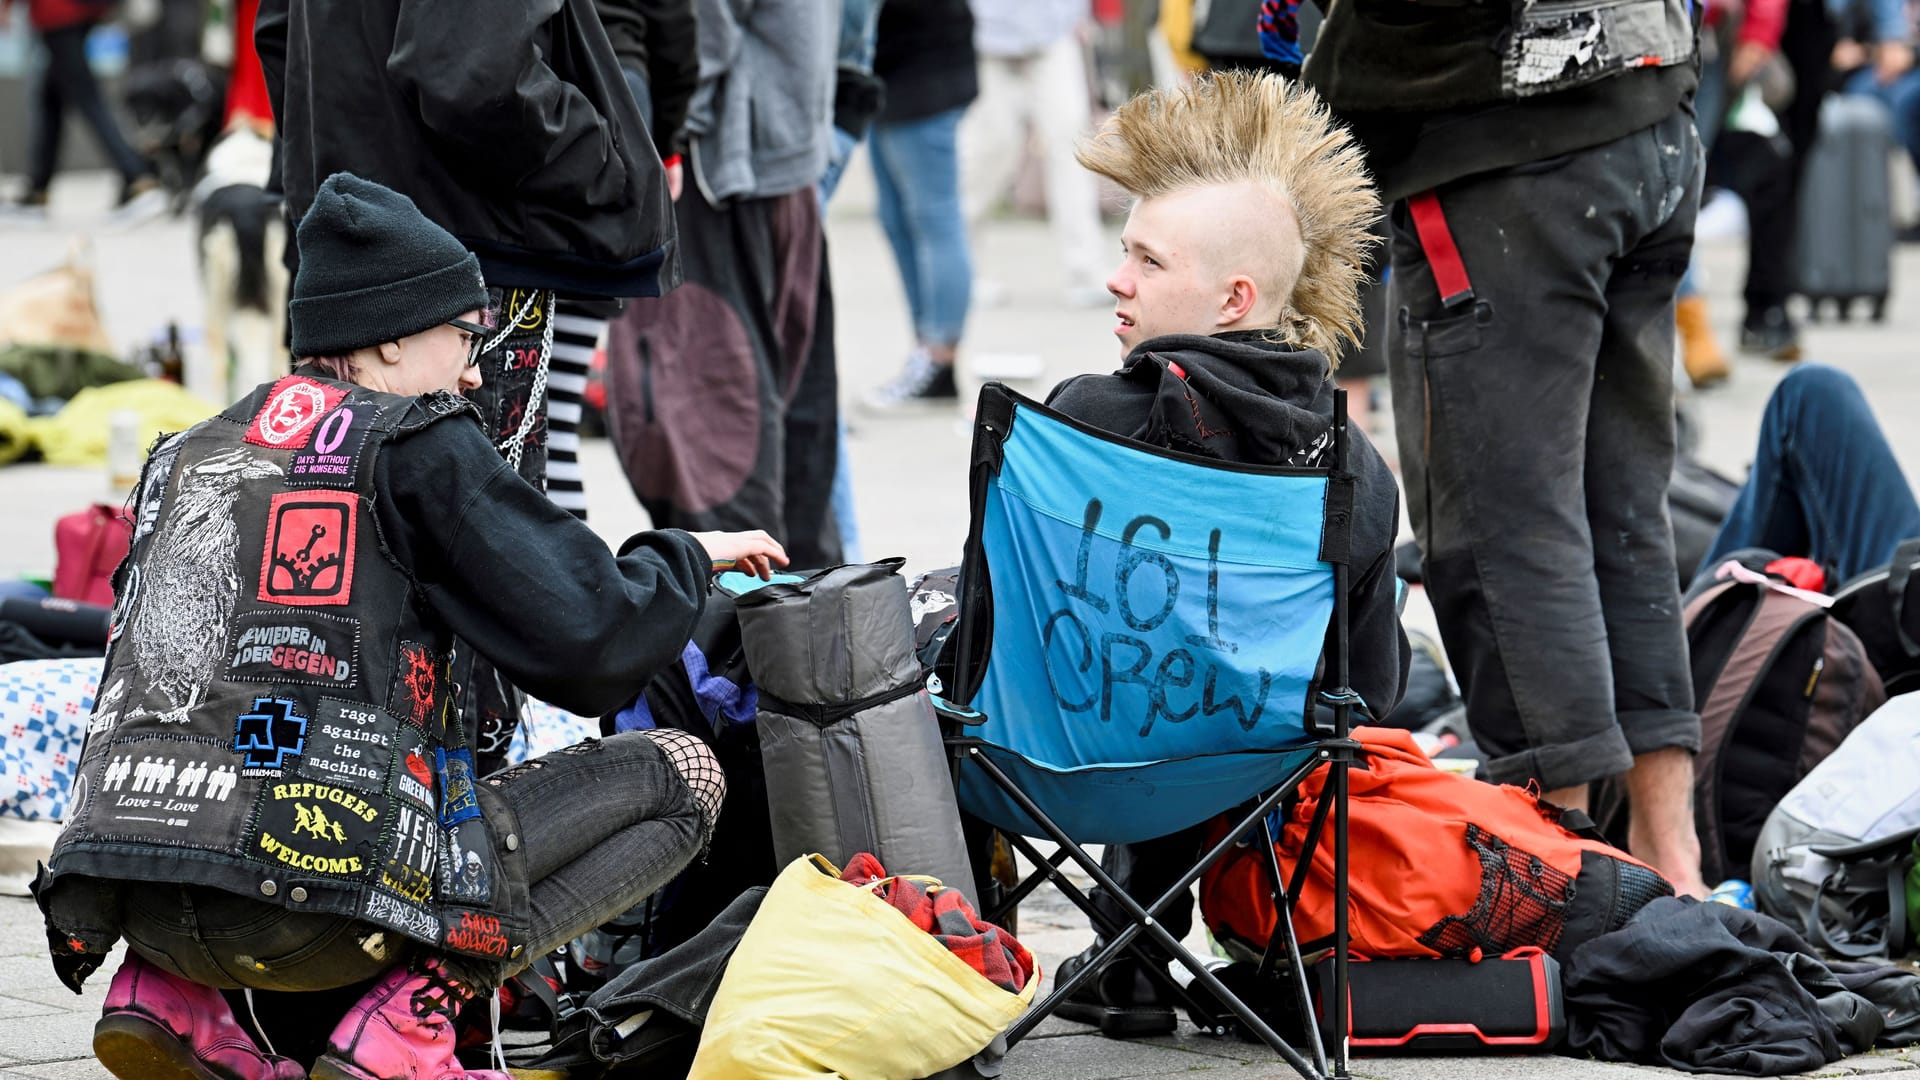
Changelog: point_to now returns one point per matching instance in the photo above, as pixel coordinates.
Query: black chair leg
(1145, 923)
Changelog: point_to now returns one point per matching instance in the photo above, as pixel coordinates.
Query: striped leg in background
(574, 335)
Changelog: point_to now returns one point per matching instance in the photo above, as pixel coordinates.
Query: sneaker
(1122, 1001)
(157, 1026)
(1770, 332)
(403, 1029)
(30, 208)
(922, 384)
(141, 200)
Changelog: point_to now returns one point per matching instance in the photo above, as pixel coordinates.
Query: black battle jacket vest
(273, 717)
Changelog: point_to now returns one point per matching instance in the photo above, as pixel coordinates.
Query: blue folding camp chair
(1139, 641)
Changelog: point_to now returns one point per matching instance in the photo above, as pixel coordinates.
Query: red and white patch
(293, 409)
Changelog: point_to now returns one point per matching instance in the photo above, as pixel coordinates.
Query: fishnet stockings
(697, 766)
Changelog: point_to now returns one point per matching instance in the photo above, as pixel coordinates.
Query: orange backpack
(1441, 865)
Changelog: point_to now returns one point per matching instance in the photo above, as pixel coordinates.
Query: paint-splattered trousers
(1536, 431)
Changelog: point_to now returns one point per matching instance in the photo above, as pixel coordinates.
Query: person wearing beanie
(277, 792)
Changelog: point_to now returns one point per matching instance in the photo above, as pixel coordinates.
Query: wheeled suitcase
(1845, 245)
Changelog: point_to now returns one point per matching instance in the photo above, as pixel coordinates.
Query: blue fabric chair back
(1156, 624)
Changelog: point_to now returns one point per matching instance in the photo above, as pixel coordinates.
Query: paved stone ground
(910, 479)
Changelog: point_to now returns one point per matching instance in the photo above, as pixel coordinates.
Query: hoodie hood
(1236, 397)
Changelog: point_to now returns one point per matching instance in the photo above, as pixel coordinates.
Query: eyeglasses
(476, 337)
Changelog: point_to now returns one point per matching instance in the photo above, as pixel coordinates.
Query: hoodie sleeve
(1377, 651)
(528, 585)
(476, 73)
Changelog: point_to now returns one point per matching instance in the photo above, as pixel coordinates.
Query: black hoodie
(1241, 398)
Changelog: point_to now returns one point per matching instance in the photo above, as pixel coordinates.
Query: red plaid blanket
(946, 915)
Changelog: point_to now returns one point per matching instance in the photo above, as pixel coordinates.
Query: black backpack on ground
(1779, 683)
(1882, 608)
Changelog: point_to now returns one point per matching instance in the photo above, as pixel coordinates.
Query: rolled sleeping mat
(853, 756)
(58, 622)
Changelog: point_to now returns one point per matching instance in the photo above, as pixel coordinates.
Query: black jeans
(1773, 270)
(602, 823)
(68, 83)
(1536, 438)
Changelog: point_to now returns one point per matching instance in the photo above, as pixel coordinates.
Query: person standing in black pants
(66, 82)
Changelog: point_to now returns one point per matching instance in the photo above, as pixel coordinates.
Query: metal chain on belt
(515, 444)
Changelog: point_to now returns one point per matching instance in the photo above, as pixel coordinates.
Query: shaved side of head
(1280, 191)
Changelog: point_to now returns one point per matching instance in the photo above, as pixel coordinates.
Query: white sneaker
(920, 385)
(144, 201)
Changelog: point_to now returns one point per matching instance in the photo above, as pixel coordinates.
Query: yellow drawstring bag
(831, 980)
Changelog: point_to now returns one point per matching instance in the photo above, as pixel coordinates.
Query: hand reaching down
(753, 552)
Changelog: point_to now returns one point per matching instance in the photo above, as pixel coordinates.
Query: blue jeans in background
(916, 164)
(1825, 484)
(1903, 97)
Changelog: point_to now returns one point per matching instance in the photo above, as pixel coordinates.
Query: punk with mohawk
(1236, 129)
(1239, 278)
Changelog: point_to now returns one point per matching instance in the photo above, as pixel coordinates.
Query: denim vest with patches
(272, 719)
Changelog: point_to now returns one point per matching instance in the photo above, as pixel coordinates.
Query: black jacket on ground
(508, 123)
(657, 38)
(1264, 403)
(923, 52)
(1715, 989)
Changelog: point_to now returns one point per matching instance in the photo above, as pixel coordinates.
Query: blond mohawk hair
(1237, 127)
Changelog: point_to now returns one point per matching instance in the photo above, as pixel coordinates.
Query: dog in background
(241, 234)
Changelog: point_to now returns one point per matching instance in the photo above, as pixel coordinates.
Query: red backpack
(1442, 865)
(88, 547)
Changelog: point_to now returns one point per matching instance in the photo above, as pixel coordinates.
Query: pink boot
(402, 1030)
(157, 1026)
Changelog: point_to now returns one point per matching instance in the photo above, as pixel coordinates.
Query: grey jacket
(761, 119)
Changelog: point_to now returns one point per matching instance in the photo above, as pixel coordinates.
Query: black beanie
(373, 269)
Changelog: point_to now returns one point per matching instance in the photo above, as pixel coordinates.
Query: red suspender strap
(1449, 273)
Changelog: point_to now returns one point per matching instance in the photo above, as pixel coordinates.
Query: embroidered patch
(472, 932)
(175, 792)
(178, 628)
(414, 852)
(466, 866)
(390, 910)
(295, 647)
(308, 556)
(153, 485)
(269, 735)
(413, 775)
(349, 744)
(108, 707)
(415, 679)
(293, 409)
(459, 803)
(318, 828)
(123, 604)
(334, 458)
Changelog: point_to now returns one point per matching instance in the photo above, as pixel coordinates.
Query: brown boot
(1705, 362)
